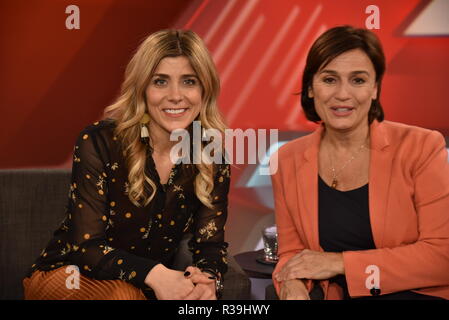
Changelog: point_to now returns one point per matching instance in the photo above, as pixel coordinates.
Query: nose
(342, 93)
(174, 94)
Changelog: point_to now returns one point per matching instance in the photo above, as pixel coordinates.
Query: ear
(310, 92)
(374, 95)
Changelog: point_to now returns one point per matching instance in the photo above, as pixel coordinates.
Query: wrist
(155, 274)
(218, 281)
(339, 263)
(297, 285)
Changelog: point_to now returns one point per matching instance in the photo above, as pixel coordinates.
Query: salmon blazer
(408, 204)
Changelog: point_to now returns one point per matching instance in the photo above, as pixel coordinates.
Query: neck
(160, 140)
(346, 139)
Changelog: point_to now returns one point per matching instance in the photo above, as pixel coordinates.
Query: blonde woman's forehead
(175, 66)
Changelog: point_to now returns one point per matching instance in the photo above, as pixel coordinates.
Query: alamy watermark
(373, 20)
(373, 280)
(73, 20)
(228, 148)
(73, 280)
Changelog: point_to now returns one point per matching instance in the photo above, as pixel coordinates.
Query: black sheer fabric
(108, 237)
(344, 225)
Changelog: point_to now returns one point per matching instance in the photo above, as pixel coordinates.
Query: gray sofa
(32, 204)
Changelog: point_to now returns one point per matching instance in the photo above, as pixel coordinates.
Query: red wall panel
(54, 81)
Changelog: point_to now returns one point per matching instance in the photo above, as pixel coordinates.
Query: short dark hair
(331, 44)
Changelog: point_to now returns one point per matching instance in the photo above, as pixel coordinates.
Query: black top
(344, 225)
(344, 222)
(108, 237)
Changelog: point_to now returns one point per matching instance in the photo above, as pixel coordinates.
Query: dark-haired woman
(367, 213)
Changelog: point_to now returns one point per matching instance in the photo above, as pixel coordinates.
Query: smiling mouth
(175, 111)
(342, 111)
(342, 108)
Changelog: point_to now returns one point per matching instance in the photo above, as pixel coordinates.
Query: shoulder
(222, 169)
(102, 127)
(285, 158)
(95, 138)
(295, 147)
(99, 133)
(411, 136)
(415, 147)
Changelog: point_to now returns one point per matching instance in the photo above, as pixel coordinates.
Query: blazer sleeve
(289, 242)
(424, 263)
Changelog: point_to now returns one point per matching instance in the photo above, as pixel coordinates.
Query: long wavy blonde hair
(130, 106)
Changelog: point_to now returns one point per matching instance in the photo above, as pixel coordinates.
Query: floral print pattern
(108, 237)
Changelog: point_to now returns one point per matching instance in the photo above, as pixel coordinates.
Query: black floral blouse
(108, 237)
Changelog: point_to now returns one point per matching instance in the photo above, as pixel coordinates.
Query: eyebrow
(163, 75)
(333, 72)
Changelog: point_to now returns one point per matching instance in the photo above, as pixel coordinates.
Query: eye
(329, 80)
(358, 81)
(159, 82)
(190, 81)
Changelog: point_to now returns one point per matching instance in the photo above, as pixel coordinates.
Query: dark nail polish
(186, 274)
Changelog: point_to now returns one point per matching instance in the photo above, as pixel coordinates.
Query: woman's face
(173, 95)
(344, 89)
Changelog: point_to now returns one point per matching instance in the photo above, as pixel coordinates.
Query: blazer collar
(378, 135)
(311, 152)
(379, 181)
(380, 172)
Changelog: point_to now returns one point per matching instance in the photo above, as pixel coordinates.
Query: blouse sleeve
(207, 244)
(87, 217)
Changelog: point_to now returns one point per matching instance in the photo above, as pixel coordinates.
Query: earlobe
(374, 96)
(310, 92)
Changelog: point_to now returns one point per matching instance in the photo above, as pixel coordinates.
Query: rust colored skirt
(52, 285)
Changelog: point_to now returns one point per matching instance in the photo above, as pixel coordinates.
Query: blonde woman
(129, 204)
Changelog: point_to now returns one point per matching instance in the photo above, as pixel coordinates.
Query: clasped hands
(305, 265)
(192, 284)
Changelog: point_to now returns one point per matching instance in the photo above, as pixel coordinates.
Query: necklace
(335, 174)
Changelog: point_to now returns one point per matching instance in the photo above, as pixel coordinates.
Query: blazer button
(375, 291)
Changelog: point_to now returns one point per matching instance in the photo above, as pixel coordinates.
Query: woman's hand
(204, 284)
(314, 265)
(293, 290)
(168, 284)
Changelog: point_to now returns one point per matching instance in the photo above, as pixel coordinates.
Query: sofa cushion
(32, 205)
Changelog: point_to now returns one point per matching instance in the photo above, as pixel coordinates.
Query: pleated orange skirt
(56, 285)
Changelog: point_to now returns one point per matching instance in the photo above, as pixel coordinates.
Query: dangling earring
(203, 134)
(144, 134)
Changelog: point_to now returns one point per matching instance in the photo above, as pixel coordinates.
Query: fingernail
(186, 274)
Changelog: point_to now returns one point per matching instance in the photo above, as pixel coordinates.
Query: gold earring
(144, 134)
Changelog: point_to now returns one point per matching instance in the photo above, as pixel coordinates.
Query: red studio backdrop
(54, 81)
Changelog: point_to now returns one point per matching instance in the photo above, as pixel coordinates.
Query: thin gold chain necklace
(335, 174)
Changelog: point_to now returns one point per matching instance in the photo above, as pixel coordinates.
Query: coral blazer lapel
(307, 180)
(379, 184)
(379, 181)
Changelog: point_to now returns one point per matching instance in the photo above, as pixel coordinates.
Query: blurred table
(254, 269)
